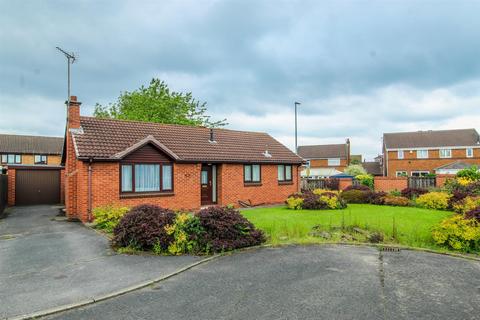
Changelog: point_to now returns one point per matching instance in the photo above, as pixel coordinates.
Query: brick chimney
(73, 118)
(348, 150)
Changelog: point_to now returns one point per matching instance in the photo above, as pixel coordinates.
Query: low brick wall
(344, 182)
(442, 178)
(388, 184)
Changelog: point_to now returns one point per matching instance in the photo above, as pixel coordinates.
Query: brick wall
(323, 163)
(11, 187)
(411, 163)
(388, 184)
(232, 187)
(442, 178)
(344, 182)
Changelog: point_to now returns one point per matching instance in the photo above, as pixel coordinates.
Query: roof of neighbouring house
(323, 151)
(457, 165)
(107, 139)
(432, 139)
(373, 167)
(10, 143)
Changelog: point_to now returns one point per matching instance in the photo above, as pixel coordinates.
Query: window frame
(420, 173)
(403, 174)
(132, 165)
(443, 156)
(41, 156)
(285, 173)
(14, 155)
(467, 152)
(402, 152)
(422, 150)
(251, 181)
(337, 163)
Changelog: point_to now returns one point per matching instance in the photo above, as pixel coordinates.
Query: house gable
(147, 153)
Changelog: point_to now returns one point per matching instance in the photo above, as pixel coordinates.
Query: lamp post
(296, 146)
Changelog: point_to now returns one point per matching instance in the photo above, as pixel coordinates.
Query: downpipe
(89, 210)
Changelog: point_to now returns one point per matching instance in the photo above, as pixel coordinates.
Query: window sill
(285, 183)
(252, 184)
(146, 195)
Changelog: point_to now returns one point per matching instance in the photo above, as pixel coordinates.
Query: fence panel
(3, 192)
(326, 183)
(422, 182)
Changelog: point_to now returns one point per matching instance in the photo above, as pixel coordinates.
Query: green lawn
(412, 225)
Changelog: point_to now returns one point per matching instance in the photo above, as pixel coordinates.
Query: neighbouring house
(117, 162)
(325, 160)
(373, 167)
(428, 152)
(29, 150)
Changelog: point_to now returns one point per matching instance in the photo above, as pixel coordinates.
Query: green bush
(470, 173)
(294, 203)
(458, 233)
(107, 217)
(355, 196)
(355, 170)
(434, 200)
(399, 201)
(366, 180)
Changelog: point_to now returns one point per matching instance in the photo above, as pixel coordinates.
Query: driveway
(311, 282)
(46, 263)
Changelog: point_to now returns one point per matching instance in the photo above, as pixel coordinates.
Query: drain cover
(390, 249)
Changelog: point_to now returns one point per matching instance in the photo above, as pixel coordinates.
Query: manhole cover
(390, 249)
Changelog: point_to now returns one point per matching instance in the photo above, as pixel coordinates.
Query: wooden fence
(422, 182)
(3, 192)
(325, 183)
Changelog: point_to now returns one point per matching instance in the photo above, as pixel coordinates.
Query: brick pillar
(344, 182)
(442, 178)
(73, 122)
(11, 173)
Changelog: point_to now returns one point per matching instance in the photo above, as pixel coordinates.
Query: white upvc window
(307, 164)
(422, 154)
(469, 152)
(445, 153)
(334, 161)
(420, 173)
(400, 154)
(401, 173)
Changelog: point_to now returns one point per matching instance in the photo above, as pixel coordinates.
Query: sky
(359, 68)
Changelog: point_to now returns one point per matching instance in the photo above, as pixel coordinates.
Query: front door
(206, 185)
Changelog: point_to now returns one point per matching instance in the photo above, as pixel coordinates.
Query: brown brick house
(30, 150)
(179, 167)
(325, 160)
(424, 152)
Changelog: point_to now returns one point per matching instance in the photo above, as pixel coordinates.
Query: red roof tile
(106, 138)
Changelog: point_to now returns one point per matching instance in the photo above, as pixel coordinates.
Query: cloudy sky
(359, 68)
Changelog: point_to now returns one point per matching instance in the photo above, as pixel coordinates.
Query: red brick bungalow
(180, 167)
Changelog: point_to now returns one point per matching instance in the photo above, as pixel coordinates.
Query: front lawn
(403, 225)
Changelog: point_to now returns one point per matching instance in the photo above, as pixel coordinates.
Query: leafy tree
(355, 170)
(157, 103)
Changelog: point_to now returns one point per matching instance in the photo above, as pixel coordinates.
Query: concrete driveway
(312, 282)
(46, 263)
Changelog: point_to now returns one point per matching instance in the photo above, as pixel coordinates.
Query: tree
(355, 170)
(157, 103)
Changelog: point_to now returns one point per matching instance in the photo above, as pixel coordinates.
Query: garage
(37, 186)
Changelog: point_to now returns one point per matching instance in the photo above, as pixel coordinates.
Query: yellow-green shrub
(332, 202)
(182, 240)
(294, 203)
(466, 204)
(391, 200)
(107, 217)
(458, 233)
(322, 191)
(434, 200)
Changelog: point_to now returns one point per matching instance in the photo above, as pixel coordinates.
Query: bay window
(146, 177)
(251, 173)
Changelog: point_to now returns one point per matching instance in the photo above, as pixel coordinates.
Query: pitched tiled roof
(432, 139)
(373, 167)
(111, 139)
(10, 143)
(323, 151)
(455, 165)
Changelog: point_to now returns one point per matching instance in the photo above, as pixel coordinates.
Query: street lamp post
(296, 146)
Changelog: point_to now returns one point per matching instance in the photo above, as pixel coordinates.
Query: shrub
(332, 184)
(226, 229)
(355, 170)
(466, 204)
(187, 233)
(395, 193)
(295, 203)
(412, 193)
(359, 187)
(469, 174)
(377, 198)
(107, 217)
(143, 227)
(355, 196)
(458, 233)
(311, 201)
(399, 201)
(434, 200)
(323, 191)
(366, 180)
(473, 214)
